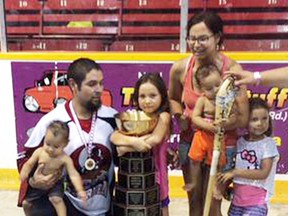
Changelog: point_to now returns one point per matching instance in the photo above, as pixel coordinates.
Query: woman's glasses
(201, 39)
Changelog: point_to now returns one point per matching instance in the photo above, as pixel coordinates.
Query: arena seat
(145, 45)
(153, 4)
(58, 44)
(265, 31)
(153, 18)
(255, 45)
(133, 23)
(23, 17)
(95, 17)
(84, 4)
(81, 24)
(22, 5)
(150, 4)
(255, 23)
(150, 24)
(233, 4)
(14, 46)
(252, 18)
(235, 24)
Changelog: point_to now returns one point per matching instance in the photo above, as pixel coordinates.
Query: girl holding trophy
(151, 99)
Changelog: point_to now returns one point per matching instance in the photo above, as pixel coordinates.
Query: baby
(55, 160)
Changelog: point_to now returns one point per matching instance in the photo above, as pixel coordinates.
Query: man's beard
(93, 106)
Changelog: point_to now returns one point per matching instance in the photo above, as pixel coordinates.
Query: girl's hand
(220, 123)
(213, 128)
(140, 145)
(224, 177)
(120, 151)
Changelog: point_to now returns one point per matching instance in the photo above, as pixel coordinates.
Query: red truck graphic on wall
(51, 90)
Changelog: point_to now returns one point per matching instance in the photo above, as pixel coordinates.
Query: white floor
(8, 206)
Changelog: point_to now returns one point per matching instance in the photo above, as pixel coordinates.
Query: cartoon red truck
(51, 90)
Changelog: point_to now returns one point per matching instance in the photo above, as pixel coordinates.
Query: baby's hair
(158, 82)
(259, 103)
(59, 128)
(204, 71)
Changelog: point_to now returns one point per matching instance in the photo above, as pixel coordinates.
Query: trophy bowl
(135, 123)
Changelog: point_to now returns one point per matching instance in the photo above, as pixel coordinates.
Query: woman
(204, 38)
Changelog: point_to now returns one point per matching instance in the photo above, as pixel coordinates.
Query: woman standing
(204, 38)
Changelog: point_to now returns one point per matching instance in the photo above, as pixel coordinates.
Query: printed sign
(39, 86)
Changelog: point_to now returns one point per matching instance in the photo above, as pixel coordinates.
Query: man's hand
(23, 175)
(41, 181)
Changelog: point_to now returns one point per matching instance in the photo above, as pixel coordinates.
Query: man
(91, 125)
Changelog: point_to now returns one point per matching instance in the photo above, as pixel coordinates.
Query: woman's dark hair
(157, 81)
(59, 128)
(259, 103)
(204, 71)
(79, 68)
(212, 20)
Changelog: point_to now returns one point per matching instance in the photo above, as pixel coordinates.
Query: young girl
(256, 160)
(208, 78)
(54, 159)
(151, 97)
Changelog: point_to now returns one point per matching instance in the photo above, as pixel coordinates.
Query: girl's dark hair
(79, 68)
(204, 71)
(157, 81)
(258, 103)
(59, 128)
(212, 20)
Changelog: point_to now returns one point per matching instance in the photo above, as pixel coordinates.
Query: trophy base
(138, 154)
(152, 210)
(136, 165)
(136, 181)
(137, 197)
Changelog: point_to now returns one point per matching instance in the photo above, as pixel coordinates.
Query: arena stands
(139, 25)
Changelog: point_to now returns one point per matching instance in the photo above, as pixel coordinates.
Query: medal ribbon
(88, 145)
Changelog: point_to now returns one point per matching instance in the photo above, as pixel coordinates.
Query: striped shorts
(259, 210)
